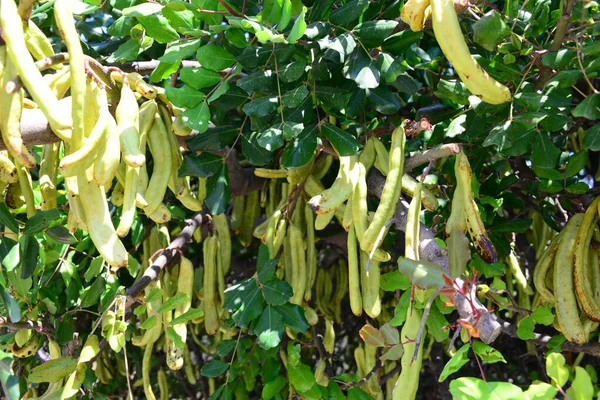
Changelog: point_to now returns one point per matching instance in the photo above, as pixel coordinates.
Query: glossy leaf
(422, 274)
(204, 165)
(457, 361)
(217, 189)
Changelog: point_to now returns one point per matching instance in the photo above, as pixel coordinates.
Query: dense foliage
(239, 279)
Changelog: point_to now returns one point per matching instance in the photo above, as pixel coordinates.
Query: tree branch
(146, 67)
(592, 348)
(442, 151)
(559, 36)
(166, 257)
(26, 324)
(428, 248)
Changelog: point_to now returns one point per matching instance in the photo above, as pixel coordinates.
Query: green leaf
(192, 313)
(355, 393)
(437, 324)
(478, 389)
(578, 188)
(291, 72)
(164, 70)
(221, 90)
(298, 28)
(226, 347)
(10, 383)
(213, 139)
(373, 33)
(40, 221)
(30, 250)
(273, 388)
(199, 78)
(185, 96)
(13, 258)
(540, 391)
(183, 21)
(272, 138)
(581, 387)
(93, 269)
(149, 322)
(459, 252)
(197, 117)
(61, 234)
(214, 57)
(591, 138)
(214, 368)
(393, 353)
(490, 30)
(245, 301)
(457, 361)
(372, 336)
(154, 295)
(174, 336)
(126, 52)
(22, 286)
(269, 328)
(277, 292)
(180, 51)
(398, 43)
(173, 302)
(525, 328)
(389, 67)
(390, 334)
(11, 305)
(423, 274)
(517, 226)
(90, 296)
(133, 265)
(343, 142)
(255, 154)
(142, 10)
(204, 164)
(558, 59)
(53, 371)
(349, 12)
(543, 315)
(401, 309)
(301, 377)
(293, 317)
(548, 173)
(487, 353)
(158, 28)
(258, 81)
(261, 107)
(286, 15)
(394, 280)
(301, 150)
(333, 97)
(589, 108)
(384, 100)
(265, 268)
(7, 219)
(556, 369)
(544, 153)
(217, 188)
(121, 27)
(294, 98)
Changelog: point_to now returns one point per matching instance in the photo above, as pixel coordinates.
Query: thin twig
(419, 337)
